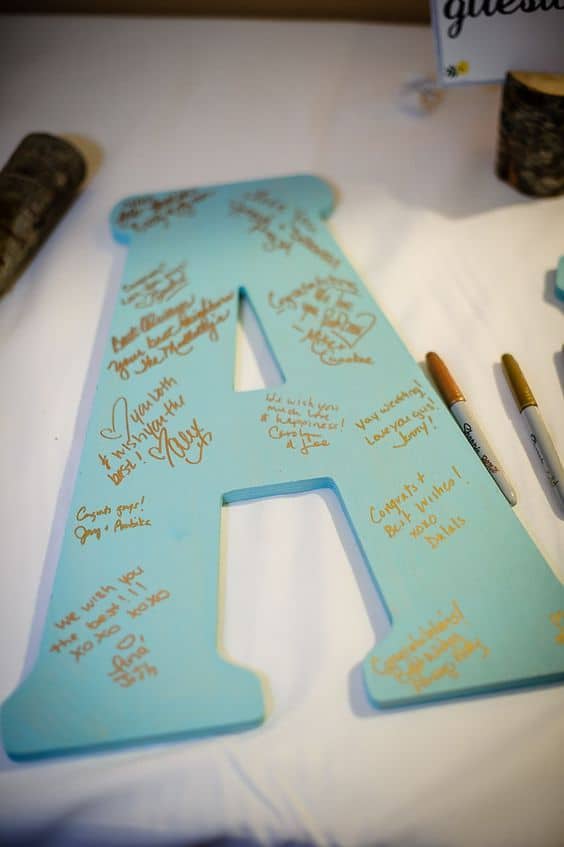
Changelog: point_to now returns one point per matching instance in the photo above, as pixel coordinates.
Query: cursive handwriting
(411, 508)
(328, 319)
(458, 11)
(302, 422)
(157, 286)
(187, 445)
(409, 424)
(143, 213)
(410, 664)
(178, 328)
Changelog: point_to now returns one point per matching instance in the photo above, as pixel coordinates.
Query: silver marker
(459, 409)
(536, 429)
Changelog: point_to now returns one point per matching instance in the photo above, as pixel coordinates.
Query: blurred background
(406, 11)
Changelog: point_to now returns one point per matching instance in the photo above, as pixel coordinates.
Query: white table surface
(460, 263)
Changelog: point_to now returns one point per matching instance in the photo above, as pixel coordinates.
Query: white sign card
(480, 40)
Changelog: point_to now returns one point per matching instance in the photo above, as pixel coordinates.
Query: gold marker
(459, 409)
(536, 430)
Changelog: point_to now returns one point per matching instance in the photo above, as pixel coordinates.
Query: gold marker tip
(443, 379)
(519, 386)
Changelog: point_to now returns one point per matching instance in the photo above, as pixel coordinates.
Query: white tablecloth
(460, 263)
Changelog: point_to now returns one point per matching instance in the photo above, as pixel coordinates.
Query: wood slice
(37, 185)
(530, 154)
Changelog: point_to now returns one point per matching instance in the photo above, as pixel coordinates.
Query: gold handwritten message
(103, 619)
(157, 336)
(325, 314)
(401, 419)
(267, 216)
(435, 652)
(142, 213)
(300, 423)
(414, 509)
(143, 433)
(92, 524)
(557, 618)
(158, 286)
(126, 669)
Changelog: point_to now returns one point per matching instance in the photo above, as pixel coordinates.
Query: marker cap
(442, 377)
(519, 386)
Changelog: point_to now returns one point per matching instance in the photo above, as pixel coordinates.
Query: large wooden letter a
(129, 648)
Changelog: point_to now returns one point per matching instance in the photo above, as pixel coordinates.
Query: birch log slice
(37, 185)
(530, 154)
